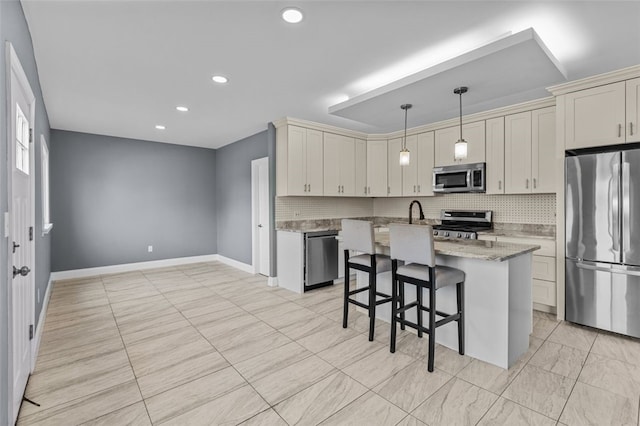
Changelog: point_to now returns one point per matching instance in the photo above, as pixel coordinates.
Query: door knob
(24, 271)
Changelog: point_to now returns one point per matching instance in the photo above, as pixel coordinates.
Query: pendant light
(460, 148)
(405, 155)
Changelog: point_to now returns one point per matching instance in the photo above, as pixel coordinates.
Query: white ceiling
(120, 67)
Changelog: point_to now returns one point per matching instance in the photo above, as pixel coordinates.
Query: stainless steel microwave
(459, 178)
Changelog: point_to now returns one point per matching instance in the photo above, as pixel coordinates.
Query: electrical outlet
(296, 213)
(150, 249)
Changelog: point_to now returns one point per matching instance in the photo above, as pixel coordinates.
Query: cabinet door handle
(619, 130)
(414, 189)
(365, 189)
(305, 187)
(342, 189)
(500, 184)
(526, 184)
(418, 188)
(309, 187)
(630, 129)
(535, 183)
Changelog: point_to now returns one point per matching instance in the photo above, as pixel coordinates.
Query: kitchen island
(498, 307)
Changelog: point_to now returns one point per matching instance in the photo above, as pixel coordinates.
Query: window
(22, 141)
(46, 217)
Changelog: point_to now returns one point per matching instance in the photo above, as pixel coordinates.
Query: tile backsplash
(299, 208)
(530, 208)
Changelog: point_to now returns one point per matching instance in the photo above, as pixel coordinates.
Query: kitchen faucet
(411, 209)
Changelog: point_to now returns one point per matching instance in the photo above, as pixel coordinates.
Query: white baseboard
(35, 345)
(272, 282)
(236, 264)
(128, 267)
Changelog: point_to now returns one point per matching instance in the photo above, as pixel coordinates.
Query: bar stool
(357, 235)
(413, 244)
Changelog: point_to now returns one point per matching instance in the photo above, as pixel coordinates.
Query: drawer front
(544, 292)
(544, 268)
(547, 247)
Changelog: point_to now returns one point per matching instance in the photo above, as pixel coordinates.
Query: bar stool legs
(460, 300)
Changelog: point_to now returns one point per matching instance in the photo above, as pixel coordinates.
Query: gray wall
(13, 28)
(112, 197)
(233, 195)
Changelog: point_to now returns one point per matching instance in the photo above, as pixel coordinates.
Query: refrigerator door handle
(626, 242)
(614, 210)
(593, 266)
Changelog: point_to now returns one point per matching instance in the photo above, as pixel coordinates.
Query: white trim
(272, 282)
(128, 267)
(46, 228)
(236, 264)
(596, 80)
(35, 343)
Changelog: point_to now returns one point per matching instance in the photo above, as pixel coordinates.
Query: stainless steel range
(463, 224)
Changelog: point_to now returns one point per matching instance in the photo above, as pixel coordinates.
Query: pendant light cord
(461, 138)
(404, 142)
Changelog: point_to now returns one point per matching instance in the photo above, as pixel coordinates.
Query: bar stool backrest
(412, 243)
(358, 235)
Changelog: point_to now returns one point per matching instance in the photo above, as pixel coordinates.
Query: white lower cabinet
(543, 267)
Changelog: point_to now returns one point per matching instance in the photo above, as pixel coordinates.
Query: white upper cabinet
(633, 110)
(543, 149)
(361, 168)
(339, 165)
(300, 150)
(530, 145)
(377, 168)
(445, 139)
(495, 156)
(417, 177)
(394, 172)
(517, 141)
(595, 117)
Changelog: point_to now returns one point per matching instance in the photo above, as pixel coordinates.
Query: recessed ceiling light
(182, 108)
(219, 79)
(160, 127)
(292, 15)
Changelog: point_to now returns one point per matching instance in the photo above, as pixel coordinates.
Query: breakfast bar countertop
(471, 249)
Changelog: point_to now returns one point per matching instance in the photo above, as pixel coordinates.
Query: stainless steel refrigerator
(602, 225)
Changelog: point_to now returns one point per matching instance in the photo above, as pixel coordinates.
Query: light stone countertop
(471, 249)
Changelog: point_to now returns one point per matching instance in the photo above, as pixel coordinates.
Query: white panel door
(495, 155)
(331, 164)
(264, 228)
(517, 142)
(410, 171)
(425, 164)
(314, 162)
(361, 168)
(22, 300)
(377, 168)
(445, 140)
(296, 161)
(474, 134)
(595, 117)
(347, 163)
(633, 110)
(543, 150)
(394, 173)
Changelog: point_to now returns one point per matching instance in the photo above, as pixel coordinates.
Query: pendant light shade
(405, 155)
(460, 147)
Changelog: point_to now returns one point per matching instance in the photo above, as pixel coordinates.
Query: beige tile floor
(208, 344)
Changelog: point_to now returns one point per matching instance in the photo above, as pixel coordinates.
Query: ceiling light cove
(292, 15)
(160, 127)
(220, 79)
(182, 108)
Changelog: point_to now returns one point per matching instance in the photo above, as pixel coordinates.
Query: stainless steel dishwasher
(321, 259)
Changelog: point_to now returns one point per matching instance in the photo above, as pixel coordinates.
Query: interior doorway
(261, 218)
(21, 250)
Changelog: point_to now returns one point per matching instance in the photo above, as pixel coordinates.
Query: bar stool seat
(357, 235)
(413, 244)
(445, 275)
(383, 263)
